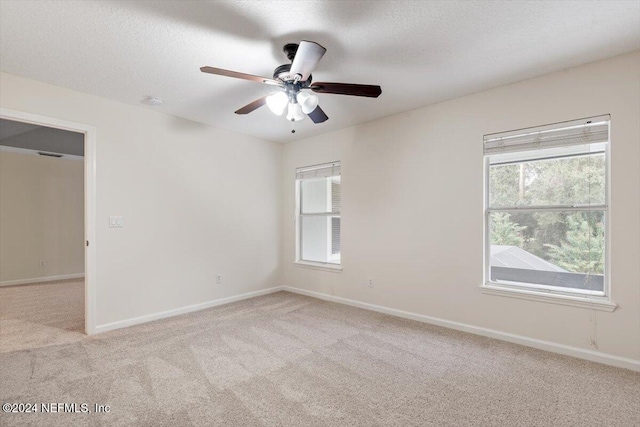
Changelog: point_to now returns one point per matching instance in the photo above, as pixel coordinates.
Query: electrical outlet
(43, 263)
(218, 279)
(370, 283)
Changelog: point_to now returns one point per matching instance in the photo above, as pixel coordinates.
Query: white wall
(196, 201)
(412, 206)
(41, 216)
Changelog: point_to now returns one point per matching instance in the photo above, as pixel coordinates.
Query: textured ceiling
(420, 52)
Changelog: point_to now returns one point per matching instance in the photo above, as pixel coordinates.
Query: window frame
(299, 261)
(545, 293)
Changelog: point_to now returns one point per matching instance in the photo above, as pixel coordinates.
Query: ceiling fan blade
(306, 59)
(253, 105)
(318, 116)
(370, 91)
(237, 75)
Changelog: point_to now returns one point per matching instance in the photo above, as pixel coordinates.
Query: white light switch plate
(116, 222)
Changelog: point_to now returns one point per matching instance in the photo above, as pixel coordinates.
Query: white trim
(183, 310)
(42, 279)
(296, 220)
(89, 200)
(334, 268)
(580, 353)
(550, 297)
(594, 356)
(607, 218)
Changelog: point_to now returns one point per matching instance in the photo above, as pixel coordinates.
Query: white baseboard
(594, 356)
(42, 279)
(182, 310)
(580, 353)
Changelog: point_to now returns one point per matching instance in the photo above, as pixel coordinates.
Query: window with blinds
(318, 214)
(546, 204)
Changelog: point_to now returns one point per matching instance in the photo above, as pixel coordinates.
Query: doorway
(67, 151)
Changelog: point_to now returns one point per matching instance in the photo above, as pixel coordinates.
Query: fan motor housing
(283, 73)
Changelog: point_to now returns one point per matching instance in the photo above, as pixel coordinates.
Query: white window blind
(321, 171)
(587, 131)
(335, 235)
(335, 196)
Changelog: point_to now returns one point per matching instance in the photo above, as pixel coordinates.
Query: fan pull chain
(293, 125)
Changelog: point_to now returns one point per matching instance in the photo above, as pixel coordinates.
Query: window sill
(334, 268)
(570, 300)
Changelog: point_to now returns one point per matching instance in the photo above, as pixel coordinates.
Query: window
(318, 215)
(546, 203)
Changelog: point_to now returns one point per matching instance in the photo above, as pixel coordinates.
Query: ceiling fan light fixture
(294, 113)
(277, 102)
(307, 101)
(294, 81)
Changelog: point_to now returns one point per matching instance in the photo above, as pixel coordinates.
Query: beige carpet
(39, 315)
(289, 360)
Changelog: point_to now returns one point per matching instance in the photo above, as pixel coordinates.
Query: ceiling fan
(295, 82)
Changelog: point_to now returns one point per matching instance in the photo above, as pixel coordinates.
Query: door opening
(48, 219)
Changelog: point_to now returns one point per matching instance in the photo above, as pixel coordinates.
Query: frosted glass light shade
(307, 101)
(295, 113)
(277, 102)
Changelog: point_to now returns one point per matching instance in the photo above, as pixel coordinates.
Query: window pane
(320, 195)
(576, 180)
(316, 242)
(315, 196)
(562, 249)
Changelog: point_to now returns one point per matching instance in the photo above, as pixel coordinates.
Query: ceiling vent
(42, 153)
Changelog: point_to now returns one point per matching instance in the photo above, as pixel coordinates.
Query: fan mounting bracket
(290, 49)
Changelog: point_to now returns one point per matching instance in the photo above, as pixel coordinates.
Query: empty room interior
(320, 213)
